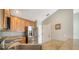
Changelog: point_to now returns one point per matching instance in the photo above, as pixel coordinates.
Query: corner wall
(63, 17)
(61, 39)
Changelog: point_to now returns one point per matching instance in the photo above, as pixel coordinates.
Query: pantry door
(47, 32)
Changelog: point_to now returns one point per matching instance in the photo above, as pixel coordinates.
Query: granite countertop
(30, 44)
(4, 34)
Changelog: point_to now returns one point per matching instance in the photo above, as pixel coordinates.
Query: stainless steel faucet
(3, 44)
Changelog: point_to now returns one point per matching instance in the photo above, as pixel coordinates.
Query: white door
(46, 32)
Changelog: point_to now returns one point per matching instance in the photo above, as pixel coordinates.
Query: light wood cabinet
(6, 13)
(18, 24)
(1, 18)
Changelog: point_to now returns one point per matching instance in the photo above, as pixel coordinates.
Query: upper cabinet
(1, 18)
(14, 23)
(19, 24)
(5, 15)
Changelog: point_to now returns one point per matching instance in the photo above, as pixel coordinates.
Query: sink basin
(5, 35)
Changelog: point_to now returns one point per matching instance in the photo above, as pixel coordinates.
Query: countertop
(4, 34)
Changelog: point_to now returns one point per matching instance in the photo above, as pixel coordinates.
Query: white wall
(76, 29)
(76, 26)
(65, 18)
(39, 25)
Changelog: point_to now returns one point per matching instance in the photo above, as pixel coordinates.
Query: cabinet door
(46, 32)
(17, 24)
(1, 19)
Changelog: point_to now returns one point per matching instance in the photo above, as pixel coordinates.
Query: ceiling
(33, 14)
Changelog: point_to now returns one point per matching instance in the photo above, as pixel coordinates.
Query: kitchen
(17, 31)
(36, 29)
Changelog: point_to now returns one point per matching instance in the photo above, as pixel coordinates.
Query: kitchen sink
(5, 40)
